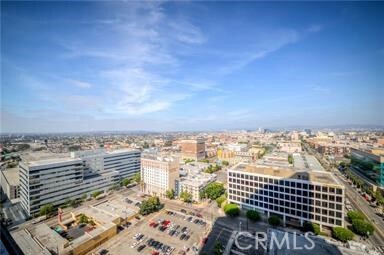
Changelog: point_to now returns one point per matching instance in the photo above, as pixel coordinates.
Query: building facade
(370, 164)
(193, 149)
(295, 196)
(53, 181)
(10, 184)
(195, 183)
(158, 174)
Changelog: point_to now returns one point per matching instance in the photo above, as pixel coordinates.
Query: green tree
(149, 205)
(137, 177)
(67, 203)
(170, 194)
(379, 197)
(342, 234)
(84, 197)
(74, 203)
(220, 200)
(83, 218)
(186, 196)
(253, 215)
(219, 248)
(361, 227)
(225, 163)
(125, 182)
(355, 215)
(213, 190)
(96, 193)
(311, 227)
(290, 159)
(231, 210)
(274, 220)
(145, 145)
(46, 209)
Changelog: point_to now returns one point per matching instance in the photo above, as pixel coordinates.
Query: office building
(369, 164)
(55, 180)
(294, 195)
(193, 149)
(158, 174)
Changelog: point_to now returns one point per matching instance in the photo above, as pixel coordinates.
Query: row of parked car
(166, 249)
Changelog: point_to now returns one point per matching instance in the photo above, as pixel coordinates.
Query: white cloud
(265, 44)
(81, 84)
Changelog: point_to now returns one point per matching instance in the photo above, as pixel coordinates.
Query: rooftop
(306, 162)
(51, 161)
(287, 173)
(12, 176)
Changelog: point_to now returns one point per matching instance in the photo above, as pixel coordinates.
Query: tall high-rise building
(158, 174)
(53, 181)
(193, 149)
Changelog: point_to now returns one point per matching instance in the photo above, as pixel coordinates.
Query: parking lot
(166, 232)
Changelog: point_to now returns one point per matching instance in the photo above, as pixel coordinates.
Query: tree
(137, 177)
(96, 193)
(355, 215)
(274, 220)
(225, 163)
(46, 209)
(220, 200)
(84, 197)
(74, 203)
(219, 248)
(125, 182)
(311, 227)
(67, 203)
(342, 234)
(149, 205)
(83, 219)
(379, 197)
(145, 145)
(231, 210)
(290, 159)
(361, 227)
(186, 196)
(170, 194)
(253, 215)
(213, 190)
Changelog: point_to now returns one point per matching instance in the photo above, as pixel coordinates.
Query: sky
(173, 66)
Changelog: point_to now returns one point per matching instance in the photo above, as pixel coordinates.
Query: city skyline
(167, 66)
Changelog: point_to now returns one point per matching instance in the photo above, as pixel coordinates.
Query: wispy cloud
(81, 84)
(265, 44)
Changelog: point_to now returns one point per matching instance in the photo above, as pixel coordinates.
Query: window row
(267, 183)
(292, 196)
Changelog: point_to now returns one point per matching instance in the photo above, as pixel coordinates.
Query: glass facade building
(369, 164)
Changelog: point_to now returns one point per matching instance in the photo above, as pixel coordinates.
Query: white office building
(294, 195)
(53, 181)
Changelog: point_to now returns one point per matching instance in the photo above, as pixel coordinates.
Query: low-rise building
(194, 184)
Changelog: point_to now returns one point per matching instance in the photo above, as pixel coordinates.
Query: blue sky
(166, 66)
